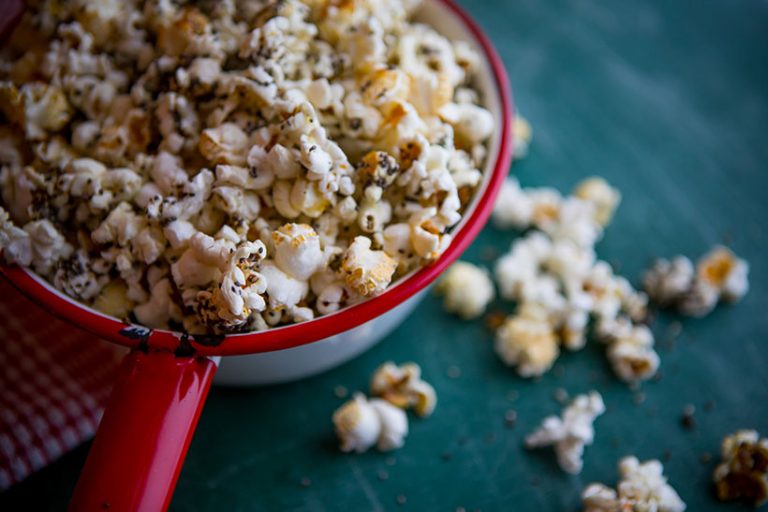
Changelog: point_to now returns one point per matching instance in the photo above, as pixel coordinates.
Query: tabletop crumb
(390, 461)
(453, 372)
(401, 499)
(495, 319)
(560, 395)
(687, 420)
(510, 418)
(705, 458)
(446, 456)
(305, 482)
(512, 395)
(490, 437)
(638, 398)
(340, 392)
(382, 475)
(709, 406)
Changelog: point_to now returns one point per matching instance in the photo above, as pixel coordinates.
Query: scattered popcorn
(522, 134)
(361, 423)
(632, 355)
(600, 193)
(743, 473)
(402, 386)
(467, 289)
(666, 282)
(643, 488)
(719, 274)
(345, 142)
(527, 341)
(570, 433)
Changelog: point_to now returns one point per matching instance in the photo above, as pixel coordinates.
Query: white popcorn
(160, 308)
(225, 144)
(522, 133)
(360, 424)
(468, 290)
(403, 387)
(297, 250)
(666, 282)
(527, 341)
(643, 487)
(743, 472)
(513, 207)
(632, 356)
(570, 433)
(723, 270)
(284, 291)
(367, 271)
(600, 193)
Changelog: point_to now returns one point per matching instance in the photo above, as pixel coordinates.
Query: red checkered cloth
(54, 381)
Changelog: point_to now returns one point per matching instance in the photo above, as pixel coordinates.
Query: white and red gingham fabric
(54, 380)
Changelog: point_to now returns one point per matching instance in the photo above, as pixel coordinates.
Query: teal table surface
(668, 99)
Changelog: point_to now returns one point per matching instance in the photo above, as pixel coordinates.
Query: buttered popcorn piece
(571, 432)
(600, 193)
(467, 289)
(362, 423)
(527, 341)
(722, 270)
(366, 271)
(632, 356)
(403, 387)
(666, 282)
(522, 134)
(743, 472)
(643, 488)
(159, 140)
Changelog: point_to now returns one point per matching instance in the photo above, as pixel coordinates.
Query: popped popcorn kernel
(403, 387)
(468, 290)
(527, 341)
(743, 472)
(361, 423)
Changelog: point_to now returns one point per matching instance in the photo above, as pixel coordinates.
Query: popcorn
(743, 473)
(361, 423)
(527, 341)
(666, 282)
(468, 290)
(570, 433)
(722, 270)
(602, 195)
(402, 386)
(643, 487)
(718, 274)
(297, 250)
(632, 356)
(367, 271)
(161, 140)
(522, 134)
(513, 207)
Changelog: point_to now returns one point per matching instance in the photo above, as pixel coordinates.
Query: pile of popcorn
(558, 284)
(743, 472)
(361, 423)
(230, 166)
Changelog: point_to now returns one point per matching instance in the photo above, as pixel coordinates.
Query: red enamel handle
(144, 434)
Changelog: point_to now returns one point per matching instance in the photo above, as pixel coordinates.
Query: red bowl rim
(322, 327)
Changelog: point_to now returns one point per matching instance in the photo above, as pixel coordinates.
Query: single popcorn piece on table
(570, 433)
(527, 341)
(632, 356)
(666, 282)
(743, 472)
(467, 289)
(403, 387)
(722, 270)
(522, 134)
(600, 193)
(361, 423)
(643, 488)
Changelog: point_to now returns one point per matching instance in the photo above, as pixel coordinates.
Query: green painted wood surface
(668, 99)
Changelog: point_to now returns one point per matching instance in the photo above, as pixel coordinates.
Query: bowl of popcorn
(279, 182)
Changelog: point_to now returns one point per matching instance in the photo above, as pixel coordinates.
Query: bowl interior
(492, 82)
